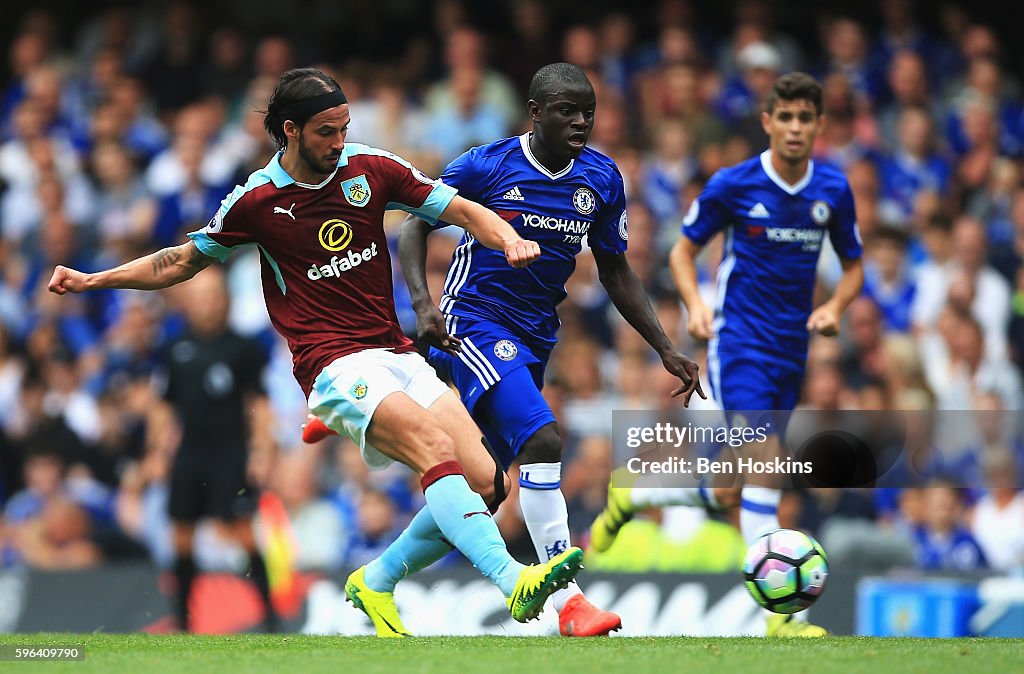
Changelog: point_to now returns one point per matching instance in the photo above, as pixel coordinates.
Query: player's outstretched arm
(490, 230)
(161, 269)
(825, 319)
(682, 262)
(412, 252)
(628, 296)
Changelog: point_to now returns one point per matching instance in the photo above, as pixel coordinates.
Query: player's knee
(544, 446)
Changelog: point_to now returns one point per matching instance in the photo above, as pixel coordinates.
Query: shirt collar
(281, 178)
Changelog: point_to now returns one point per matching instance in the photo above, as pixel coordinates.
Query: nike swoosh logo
(481, 512)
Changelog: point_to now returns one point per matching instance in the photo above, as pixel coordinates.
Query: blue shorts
(744, 382)
(499, 380)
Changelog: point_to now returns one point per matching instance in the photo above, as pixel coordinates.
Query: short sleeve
(843, 229)
(611, 230)
(414, 192)
(464, 175)
(709, 213)
(227, 230)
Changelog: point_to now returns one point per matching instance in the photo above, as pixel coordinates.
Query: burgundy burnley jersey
(323, 252)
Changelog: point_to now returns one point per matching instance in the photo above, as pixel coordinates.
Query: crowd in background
(124, 131)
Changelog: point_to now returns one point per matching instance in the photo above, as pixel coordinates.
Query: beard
(315, 163)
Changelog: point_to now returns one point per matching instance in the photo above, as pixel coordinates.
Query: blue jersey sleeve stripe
(432, 207)
(208, 246)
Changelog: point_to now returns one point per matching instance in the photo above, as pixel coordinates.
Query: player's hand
(824, 320)
(521, 252)
(688, 371)
(431, 330)
(699, 322)
(66, 280)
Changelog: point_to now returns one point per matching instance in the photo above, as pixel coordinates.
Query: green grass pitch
(285, 654)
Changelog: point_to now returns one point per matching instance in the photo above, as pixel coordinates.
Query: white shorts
(347, 392)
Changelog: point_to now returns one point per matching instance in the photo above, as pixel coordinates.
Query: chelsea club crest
(820, 212)
(505, 350)
(584, 201)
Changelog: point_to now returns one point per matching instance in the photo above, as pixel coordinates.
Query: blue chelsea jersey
(773, 236)
(585, 200)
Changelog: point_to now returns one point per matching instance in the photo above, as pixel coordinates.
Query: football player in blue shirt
(774, 210)
(494, 331)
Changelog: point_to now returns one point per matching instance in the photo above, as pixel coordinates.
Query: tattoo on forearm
(164, 259)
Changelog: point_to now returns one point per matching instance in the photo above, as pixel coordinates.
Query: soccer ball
(785, 571)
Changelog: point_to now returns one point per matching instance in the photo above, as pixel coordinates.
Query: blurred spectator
(743, 99)
(59, 538)
(178, 63)
(912, 167)
(862, 358)
(43, 478)
(985, 84)
(754, 22)
(888, 281)
(469, 121)
(994, 206)
(943, 541)
(902, 31)
(388, 117)
(997, 521)
(320, 534)
(464, 55)
(668, 168)
(377, 527)
(989, 294)
(128, 118)
(226, 74)
(908, 81)
(188, 208)
(848, 135)
(846, 47)
(530, 44)
(126, 213)
(183, 165)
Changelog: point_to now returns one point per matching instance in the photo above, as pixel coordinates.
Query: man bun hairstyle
(796, 87)
(298, 95)
(557, 76)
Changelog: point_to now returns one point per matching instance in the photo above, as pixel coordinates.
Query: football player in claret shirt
(315, 212)
(496, 326)
(775, 210)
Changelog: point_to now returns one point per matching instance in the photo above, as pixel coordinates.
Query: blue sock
(419, 546)
(464, 521)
